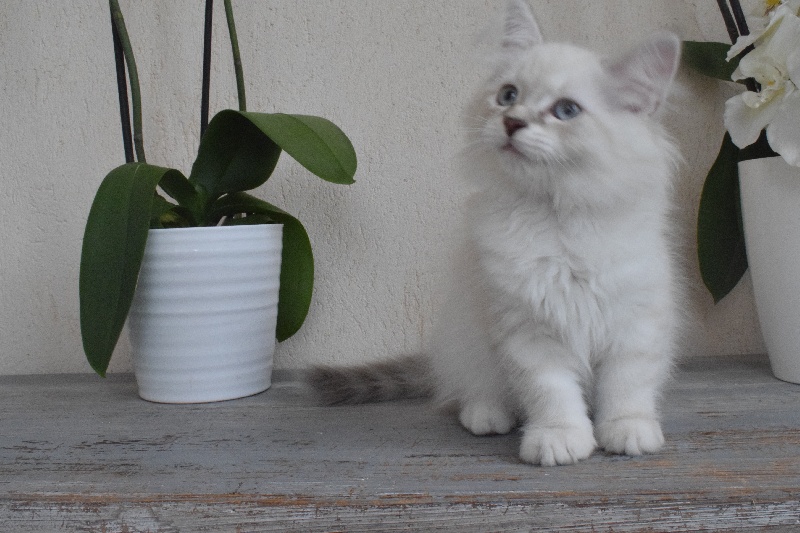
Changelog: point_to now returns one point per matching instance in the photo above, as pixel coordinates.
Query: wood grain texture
(78, 453)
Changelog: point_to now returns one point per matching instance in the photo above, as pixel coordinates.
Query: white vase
(202, 323)
(770, 191)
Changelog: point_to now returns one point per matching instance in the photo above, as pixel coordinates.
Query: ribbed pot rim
(199, 229)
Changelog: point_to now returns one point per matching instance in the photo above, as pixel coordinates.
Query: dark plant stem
(730, 22)
(738, 16)
(751, 84)
(122, 89)
(237, 60)
(204, 103)
(736, 25)
(133, 75)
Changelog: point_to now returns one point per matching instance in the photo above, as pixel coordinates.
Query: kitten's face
(585, 121)
(545, 107)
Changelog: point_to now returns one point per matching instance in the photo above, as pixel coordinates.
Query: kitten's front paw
(630, 436)
(550, 446)
(485, 419)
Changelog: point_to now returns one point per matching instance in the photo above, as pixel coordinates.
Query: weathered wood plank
(78, 453)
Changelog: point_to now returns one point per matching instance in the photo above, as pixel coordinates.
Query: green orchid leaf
(720, 234)
(113, 247)
(314, 142)
(234, 156)
(182, 191)
(240, 150)
(709, 59)
(165, 214)
(759, 149)
(297, 259)
(159, 209)
(177, 217)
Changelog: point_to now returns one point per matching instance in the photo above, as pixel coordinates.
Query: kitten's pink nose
(513, 124)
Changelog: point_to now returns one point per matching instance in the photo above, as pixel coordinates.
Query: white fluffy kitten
(563, 309)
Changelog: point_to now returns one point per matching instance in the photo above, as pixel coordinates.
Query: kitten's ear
(641, 79)
(520, 31)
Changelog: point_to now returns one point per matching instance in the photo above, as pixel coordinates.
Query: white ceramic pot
(770, 191)
(202, 322)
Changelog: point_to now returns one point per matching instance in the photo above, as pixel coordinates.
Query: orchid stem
(237, 60)
(206, 83)
(122, 89)
(737, 26)
(730, 22)
(133, 75)
(738, 16)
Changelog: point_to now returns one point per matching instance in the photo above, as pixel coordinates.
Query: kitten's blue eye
(566, 109)
(507, 95)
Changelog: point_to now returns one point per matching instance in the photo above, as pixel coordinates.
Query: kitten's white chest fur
(578, 278)
(547, 272)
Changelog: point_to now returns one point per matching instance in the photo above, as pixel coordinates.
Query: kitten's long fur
(563, 312)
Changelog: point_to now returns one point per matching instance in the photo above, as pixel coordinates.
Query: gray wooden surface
(79, 453)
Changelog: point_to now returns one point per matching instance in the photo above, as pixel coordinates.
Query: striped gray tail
(394, 379)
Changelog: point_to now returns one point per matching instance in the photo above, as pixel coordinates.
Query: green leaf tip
(240, 150)
(720, 235)
(314, 142)
(709, 58)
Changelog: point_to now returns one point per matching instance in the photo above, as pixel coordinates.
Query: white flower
(775, 64)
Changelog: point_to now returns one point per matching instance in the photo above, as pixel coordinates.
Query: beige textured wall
(392, 74)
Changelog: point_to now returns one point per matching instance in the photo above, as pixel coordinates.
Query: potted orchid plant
(207, 274)
(748, 209)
